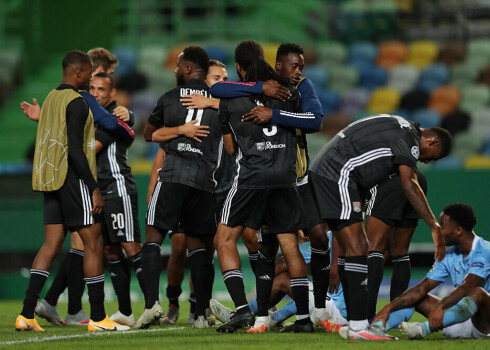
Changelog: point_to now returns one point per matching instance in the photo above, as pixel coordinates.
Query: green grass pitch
(183, 336)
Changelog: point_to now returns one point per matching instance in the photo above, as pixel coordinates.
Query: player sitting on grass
(465, 313)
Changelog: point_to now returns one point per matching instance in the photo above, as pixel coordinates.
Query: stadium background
(428, 61)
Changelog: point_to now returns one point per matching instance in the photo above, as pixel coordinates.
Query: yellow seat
(421, 53)
(477, 161)
(270, 51)
(384, 100)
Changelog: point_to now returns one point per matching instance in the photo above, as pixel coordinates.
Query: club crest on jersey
(356, 206)
(415, 152)
(260, 146)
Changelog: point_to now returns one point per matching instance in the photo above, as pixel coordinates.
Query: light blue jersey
(338, 298)
(455, 266)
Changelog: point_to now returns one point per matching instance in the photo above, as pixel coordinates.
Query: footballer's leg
(250, 239)
(399, 244)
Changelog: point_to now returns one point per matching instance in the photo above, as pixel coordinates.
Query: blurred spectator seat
(354, 101)
(456, 122)
(363, 52)
(427, 118)
(486, 146)
(330, 100)
(452, 53)
(464, 74)
(474, 97)
(220, 53)
(172, 56)
(318, 75)
(433, 76)
(477, 161)
(416, 99)
(384, 100)
(331, 52)
(422, 53)
(127, 58)
(449, 162)
(403, 78)
(480, 122)
(466, 144)
(479, 48)
(391, 54)
(373, 77)
(484, 76)
(445, 100)
(343, 77)
(270, 51)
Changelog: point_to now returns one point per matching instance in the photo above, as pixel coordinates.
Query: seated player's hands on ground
(196, 101)
(259, 115)
(438, 243)
(31, 111)
(273, 89)
(193, 131)
(122, 113)
(435, 318)
(98, 202)
(382, 316)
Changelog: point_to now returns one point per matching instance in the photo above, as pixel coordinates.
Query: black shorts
(387, 202)
(340, 206)
(280, 209)
(120, 222)
(176, 207)
(309, 203)
(70, 205)
(220, 202)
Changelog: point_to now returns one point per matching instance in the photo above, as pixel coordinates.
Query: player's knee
(112, 252)
(131, 248)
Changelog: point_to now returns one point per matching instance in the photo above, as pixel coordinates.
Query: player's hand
(333, 286)
(193, 131)
(382, 316)
(273, 89)
(31, 111)
(439, 243)
(195, 101)
(122, 113)
(259, 115)
(98, 202)
(435, 318)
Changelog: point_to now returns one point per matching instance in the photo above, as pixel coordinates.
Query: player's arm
(230, 89)
(76, 116)
(334, 267)
(229, 143)
(189, 129)
(106, 120)
(228, 139)
(409, 298)
(196, 101)
(102, 139)
(417, 199)
(124, 114)
(157, 164)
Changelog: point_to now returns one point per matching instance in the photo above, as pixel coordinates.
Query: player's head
(216, 72)
(250, 62)
(435, 144)
(102, 87)
(77, 67)
(290, 62)
(193, 62)
(456, 220)
(104, 60)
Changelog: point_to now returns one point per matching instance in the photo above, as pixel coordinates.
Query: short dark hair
(198, 56)
(286, 48)
(103, 57)
(108, 76)
(75, 58)
(445, 139)
(462, 214)
(250, 56)
(216, 63)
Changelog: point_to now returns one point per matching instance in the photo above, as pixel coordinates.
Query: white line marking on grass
(90, 334)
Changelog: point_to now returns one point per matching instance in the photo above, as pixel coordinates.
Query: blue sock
(253, 305)
(458, 313)
(396, 317)
(285, 312)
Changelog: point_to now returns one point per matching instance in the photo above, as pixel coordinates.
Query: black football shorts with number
(120, 222)
(362, 155)
(264, 191)
(388, 203)
(178, 208)
(70, 205)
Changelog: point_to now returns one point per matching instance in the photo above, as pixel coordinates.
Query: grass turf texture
(183, 336)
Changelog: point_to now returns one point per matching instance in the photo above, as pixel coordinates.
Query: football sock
(375, 264)
(265, 269)
(234, 284)
(320, 270)
(136, 262)
(76, 281)
(36, 284)
(299, 286)
(401, 276)
(397, 317)
(60, 282)
(341, 267)
(285, 312)
(253, 256)
(192, 301)
(152, 267)
(95, 286)
(199, 274)
(211, 276)
(252, 304)
(356, 278)
(458, 313)
(121, 278)
(173, 293)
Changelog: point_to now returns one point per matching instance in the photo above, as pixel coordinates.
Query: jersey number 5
(190, 116)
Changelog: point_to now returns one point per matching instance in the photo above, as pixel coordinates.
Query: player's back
(266, 153)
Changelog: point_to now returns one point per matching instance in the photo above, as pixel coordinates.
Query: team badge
(260, 146)
(181, 147)
(415, 152)
(356, 207)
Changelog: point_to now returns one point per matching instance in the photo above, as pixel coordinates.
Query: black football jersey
(266, 153)
(187, 161)
(368, 151)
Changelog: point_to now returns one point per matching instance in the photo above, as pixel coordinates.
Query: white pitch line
(91, 334)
